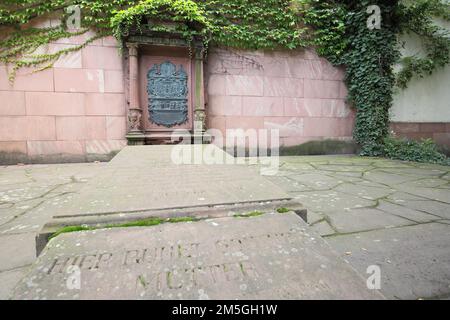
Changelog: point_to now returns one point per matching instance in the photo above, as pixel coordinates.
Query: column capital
(132, 48)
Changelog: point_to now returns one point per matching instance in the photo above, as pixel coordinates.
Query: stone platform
(272, 256)
(168, 181)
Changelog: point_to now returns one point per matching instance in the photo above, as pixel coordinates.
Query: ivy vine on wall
(337, 29)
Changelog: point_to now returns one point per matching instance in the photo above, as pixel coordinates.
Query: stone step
(271, 256)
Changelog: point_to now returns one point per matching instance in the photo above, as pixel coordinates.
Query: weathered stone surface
(146, 178)
(365, 219)
(16, 250)
(9, 280)
(274, 256)
(414, 260)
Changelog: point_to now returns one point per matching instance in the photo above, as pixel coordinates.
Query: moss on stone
(320, 148)
(248, 214)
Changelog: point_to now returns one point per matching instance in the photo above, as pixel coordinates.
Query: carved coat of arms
(167, 94)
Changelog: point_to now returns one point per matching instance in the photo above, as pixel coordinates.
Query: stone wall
(296, 92)
(74, 111)
(439, 132)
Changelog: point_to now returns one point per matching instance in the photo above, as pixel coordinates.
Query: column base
(135, 138)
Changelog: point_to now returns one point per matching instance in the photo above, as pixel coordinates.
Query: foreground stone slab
(273, 256)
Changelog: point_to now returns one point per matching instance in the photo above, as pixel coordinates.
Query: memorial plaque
(273, 256)
(167, 93)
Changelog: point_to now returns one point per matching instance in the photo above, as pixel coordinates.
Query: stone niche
(165, 85)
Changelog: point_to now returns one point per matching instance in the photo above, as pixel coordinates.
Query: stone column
(199, 107)
(135, 135)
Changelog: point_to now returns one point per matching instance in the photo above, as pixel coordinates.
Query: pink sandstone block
(216, 84)
(306, 69)
(116, 128)
(26, 80)
(81, 39)
(13, 128)
(330, 72)
(327, 127)
(13, 146)
(40, 128)
(244, 123)
(107, 58)
(244, 85)
(262, 106)
(233, 62)
(79, 80)
(217, 122)
(95, 128)
(38, 148)
(447, 127)
(52, 103)
(343, 92)
(110, 41)
(404, 127)
(442, 138)
(302, 107)
(283, 87)
(322, 89)
(295, 141)
(12, 103)
(69, 60)
(114, 81)
(225, 105)
(276, 66)
(334, 108)
(104, 146)
(112, 104)
(432, 127)
(287, 126)
(71, 128)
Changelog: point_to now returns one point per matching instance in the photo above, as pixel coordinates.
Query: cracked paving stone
(387, 178)
(401, 197)
(9, 279)
(17, 210)
(414, 260)
(342, 168)
(364, 191)
(317, 181)
(324, 201)
(405, 212)
(357, 220)
(381, 163)
(288, 184)
(323, 228)
(313, 217)
(35, 218)
(433, 207)
(416, 171)
(427, 183)
(429, 193)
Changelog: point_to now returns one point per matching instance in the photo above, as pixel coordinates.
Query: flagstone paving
(371, 211)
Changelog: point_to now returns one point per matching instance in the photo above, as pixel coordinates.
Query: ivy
(418, 18)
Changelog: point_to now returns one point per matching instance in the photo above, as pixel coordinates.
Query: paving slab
(142, 178)
(357, 220)
(414, 260)
(273, 256)
(17, 250)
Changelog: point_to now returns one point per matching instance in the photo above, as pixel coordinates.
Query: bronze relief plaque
(167, 88)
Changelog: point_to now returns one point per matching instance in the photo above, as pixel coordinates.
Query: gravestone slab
(273, 256)
(144, 178)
